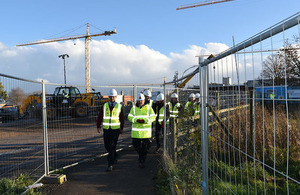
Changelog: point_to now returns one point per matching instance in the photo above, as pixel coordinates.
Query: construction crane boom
(201, 4)
(87, 37)
(106, 33)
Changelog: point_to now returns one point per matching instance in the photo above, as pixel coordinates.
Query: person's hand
(100, 130)
(140, 121)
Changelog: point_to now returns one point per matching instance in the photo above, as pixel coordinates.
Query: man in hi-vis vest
(174, 106)
(141, 115)
(111, 117)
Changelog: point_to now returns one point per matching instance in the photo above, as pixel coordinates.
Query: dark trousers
(110, 142)
(141, 146)
(158, 130)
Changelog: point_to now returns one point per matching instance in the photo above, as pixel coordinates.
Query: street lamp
(63, 56)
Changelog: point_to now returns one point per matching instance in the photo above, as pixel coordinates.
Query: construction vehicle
(64, 101)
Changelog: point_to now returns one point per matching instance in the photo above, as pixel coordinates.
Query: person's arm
(167, 111)
(131, 116)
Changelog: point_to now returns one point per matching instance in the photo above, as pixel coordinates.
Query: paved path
(126, 178)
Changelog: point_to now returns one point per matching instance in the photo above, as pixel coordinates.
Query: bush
(16, 186)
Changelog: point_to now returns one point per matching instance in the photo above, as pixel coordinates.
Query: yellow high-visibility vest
(197, 108)
(174, 110)
(111, 119)
(141, 130)
(161, 115)
(187, 104)
(150, 103)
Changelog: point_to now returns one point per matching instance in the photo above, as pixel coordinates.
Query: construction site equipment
(87, 49)
(64, 101)
(201, 4)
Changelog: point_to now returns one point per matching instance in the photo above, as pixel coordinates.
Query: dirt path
(126, 178)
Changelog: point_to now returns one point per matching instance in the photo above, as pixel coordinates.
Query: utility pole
(63, 56)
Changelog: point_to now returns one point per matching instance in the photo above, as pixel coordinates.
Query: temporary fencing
(247, 140)
(46, 127)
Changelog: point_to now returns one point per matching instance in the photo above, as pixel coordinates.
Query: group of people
(142, 115)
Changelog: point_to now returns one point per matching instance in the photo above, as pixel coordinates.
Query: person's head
(192, 97)
(147, 94)
(112, 95)
(140, 100)
(174, 98)
(160, 98)
(197, 96)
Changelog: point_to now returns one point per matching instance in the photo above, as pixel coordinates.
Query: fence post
(165, 116)
(203, 72)
(45, 131)
(134, 95)
(174, 139)
(251, 117)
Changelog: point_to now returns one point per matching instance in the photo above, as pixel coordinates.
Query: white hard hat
(141, 97)
(160, 97)
(113, 92)
(147, 93)
(197, 95)
(192, 95)
(174, 95)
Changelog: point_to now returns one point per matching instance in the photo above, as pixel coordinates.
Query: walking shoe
(109, 168)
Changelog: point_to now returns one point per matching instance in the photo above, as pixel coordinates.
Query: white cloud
(111, 63)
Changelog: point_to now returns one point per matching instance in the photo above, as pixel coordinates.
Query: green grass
(16, 186)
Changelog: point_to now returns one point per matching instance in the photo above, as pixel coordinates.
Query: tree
(3, 93)
(16, 96)
(284, 64)
(273, 69)
(290, 56)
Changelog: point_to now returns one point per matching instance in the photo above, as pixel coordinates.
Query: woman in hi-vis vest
(141, 115)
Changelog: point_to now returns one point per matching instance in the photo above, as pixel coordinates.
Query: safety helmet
(147, 93)
(160, 97)
(192, 95)
(113, 92)
(197, 95)
(174, 95)
(141, 97)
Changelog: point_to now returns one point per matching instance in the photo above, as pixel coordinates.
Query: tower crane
(203, 3)
(87, 37)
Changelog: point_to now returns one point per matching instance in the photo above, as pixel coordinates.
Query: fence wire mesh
(21, 134)
(253, 102)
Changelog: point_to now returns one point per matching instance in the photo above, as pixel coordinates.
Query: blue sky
(156, 24)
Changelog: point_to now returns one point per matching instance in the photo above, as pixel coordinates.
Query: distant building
(227, 81)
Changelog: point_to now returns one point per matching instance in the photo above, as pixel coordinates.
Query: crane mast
(87, 37)
(87, 61)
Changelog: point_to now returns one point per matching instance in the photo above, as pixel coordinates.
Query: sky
(153, 41)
